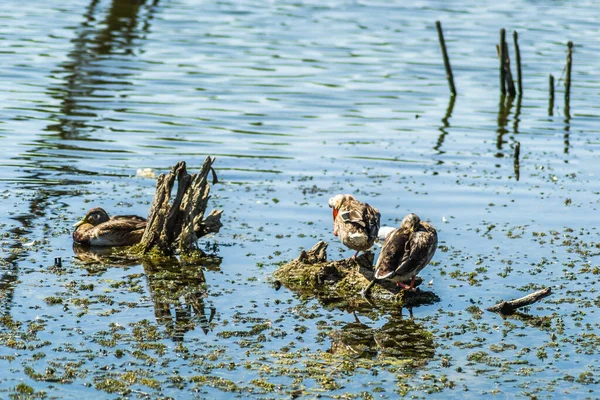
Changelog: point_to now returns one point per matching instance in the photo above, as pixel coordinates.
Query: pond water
(298, 101)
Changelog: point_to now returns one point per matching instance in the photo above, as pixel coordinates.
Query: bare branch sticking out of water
(568, 77)
(447, 66)
(508, 307)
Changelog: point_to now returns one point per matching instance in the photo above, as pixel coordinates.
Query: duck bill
(335, 213)
(83, 221)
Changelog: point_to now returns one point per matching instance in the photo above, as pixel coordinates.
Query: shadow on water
(400, 338)
(95, 38)
(178, 293)
(504, 108)
(97, 69)
(178, 290)
(517, 117)
(567, 128)
(445, 125)
(98, 39)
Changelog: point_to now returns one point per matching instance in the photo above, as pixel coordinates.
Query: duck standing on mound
(98, 229)
(405, 252)
(354, 222)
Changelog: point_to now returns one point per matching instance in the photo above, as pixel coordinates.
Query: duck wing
(117, 232)
(364, 217)
(419, 250)
(131, 218)
(392, 253)
(352, 216)
(119, 226)
(372, 218)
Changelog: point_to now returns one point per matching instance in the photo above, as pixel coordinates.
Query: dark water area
(298, 101)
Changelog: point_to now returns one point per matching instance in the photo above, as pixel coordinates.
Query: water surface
(298, 101)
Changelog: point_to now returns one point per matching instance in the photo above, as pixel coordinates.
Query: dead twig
(509, 307)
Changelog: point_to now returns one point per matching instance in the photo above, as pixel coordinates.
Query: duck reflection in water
(178, 290)
(399, 338)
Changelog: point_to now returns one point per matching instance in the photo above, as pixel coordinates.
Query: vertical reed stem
(449, 75)
(502, 56)
(518, 59)
(568, 78)
(551, 102)
(510, 84)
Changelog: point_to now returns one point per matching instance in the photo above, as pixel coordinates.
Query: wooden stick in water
(508, 307)
(510, 84)
(449, 74)
(518, 60)
(568, 77)
(501, 55)
(551, 101)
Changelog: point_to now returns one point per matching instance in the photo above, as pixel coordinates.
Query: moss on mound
(342, 280)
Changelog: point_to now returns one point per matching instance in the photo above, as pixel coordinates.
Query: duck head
(336, 203)
(411, 222)
(94, 217)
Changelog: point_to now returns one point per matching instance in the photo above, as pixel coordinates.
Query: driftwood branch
(180, 223)
(508, 307)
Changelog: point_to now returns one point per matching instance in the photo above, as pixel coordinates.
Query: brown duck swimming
(405, 252)
(354, 222)
(98, 229)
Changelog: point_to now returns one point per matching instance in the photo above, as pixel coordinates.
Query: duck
(96, 228)
(354, 222)
(405, 252)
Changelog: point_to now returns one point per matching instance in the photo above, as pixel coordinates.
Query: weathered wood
(178, 225)
(518, 61)
(510, 84)
(157, 213)
(447, 66)
(568, 74)
(508, 307)
(501, 55)
(551, 90)
(318, 254)
(506, 80)
(194, 204)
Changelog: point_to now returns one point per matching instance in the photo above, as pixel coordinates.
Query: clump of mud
(342, 280)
